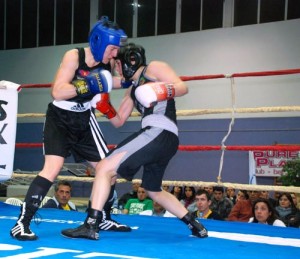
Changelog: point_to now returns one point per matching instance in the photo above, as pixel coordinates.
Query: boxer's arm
(116, 118)
(61, 88)
(162, 72)
(121, 83)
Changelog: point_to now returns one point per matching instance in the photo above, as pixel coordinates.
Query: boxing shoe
(195, 226)
(112, 225)
(108, 224)
(89, 229)
(21, 230)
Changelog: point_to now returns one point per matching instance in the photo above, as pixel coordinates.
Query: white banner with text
(8, 126)
(268, 163)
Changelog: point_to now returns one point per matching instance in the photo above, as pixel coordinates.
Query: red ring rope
(192, 148)
(204, 77)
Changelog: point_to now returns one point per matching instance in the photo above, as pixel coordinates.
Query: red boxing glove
(151, 93)
(104, 106)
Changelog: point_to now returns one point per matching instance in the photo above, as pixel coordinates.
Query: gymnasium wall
(263, 47)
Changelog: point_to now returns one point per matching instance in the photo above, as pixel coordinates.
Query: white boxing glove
(151, 93)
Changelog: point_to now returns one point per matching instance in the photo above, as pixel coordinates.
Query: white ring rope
(195, 112)
(290, 189)
(232, 87)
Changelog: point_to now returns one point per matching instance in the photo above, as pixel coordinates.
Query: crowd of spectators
(219, 203)
(215, 203)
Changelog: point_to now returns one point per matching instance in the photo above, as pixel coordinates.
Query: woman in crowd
(287, 210)
(177, 192)
(265, 213)
(188, 200)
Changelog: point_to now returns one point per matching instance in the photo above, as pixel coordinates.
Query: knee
(104, 169)
(153, 195)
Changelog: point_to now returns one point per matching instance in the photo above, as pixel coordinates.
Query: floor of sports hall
(151, 237)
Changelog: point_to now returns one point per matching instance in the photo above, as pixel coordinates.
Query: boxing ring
(159, 237)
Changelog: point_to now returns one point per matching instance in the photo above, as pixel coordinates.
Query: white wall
(264, 47)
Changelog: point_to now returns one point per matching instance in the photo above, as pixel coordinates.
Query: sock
(37, 191)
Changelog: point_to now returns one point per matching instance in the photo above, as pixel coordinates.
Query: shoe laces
(37, 218)
(30, 215)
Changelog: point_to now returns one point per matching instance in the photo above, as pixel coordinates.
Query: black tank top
(82, 71)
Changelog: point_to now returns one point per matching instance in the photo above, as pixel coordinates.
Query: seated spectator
(177, 192)
(188, 199)
(242, 210)
(220, 203)
(230, 194)
(287, 210)
(295, 199)
(141, 203)
(61, 198)
(265, 195)
(242, 195)
(265, 213)
(129, 195)
(203, 201)
(158, 210)
(115, 204)
(166, 187)
(210, 190)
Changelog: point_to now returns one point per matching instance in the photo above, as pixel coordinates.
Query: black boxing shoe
(112, 225)
(89, 229)
(83, 231)
(108, 224)
(198, 230)
(21, 230)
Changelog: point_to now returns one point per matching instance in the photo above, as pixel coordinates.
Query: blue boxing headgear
(132, 57)
(105, 33)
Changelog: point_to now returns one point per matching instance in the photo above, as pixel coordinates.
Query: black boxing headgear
(132, 57)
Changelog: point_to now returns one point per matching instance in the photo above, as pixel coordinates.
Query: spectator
(61, 198)
(265, 195)
(265, 213)
(158, 210)
(287, 210)
(141, 203)
(242, 195)
(210, 190)
(220, 203)
(230, 193)
(242, 210)
(188, 199)
(203, 202)
(295, 199)
(129, 195)
(166, 187)
(177, 192)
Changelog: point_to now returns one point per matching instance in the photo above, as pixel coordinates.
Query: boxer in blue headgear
(82, 79)
(105, 33)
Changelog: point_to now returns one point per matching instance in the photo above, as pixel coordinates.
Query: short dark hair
(218, 188)
(245, 194)
(62, 182)
(200, 192)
